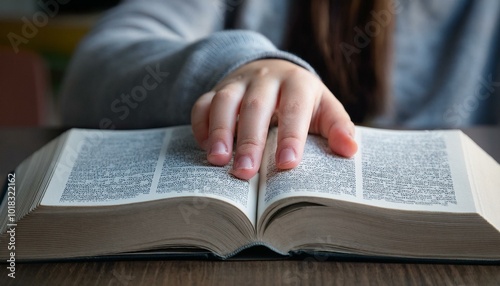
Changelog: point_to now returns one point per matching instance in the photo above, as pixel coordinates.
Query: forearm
(142, 68)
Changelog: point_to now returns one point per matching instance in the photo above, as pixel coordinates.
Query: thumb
(332, 122)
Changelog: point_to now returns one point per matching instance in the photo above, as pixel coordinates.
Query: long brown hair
(348, 42)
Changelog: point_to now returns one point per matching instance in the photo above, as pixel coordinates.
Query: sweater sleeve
(146, 62)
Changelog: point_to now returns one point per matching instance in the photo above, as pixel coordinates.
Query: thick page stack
(406, 194)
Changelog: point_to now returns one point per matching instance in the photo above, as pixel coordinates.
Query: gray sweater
(146, 62)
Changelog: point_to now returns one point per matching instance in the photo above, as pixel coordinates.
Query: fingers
(294, 112)
(222, 123)
(332, 122)
(214, 119)
(257, 93)
(199, 118)
(257, 108)
(341, 139)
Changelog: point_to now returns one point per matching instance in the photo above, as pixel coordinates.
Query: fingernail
(218, 148)
(286, 155)
(243, 162)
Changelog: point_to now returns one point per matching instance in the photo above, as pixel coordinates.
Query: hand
(248, 99)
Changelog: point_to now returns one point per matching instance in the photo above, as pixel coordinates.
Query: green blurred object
(41, 36)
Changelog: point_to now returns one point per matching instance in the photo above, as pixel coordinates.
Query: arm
(145, 64)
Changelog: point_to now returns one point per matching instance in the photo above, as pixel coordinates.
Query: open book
(407, 194)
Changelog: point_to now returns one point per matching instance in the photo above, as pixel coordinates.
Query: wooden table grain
(17, 143)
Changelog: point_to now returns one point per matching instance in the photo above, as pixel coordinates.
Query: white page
(369, 177)
(99, 168)
(414, 170)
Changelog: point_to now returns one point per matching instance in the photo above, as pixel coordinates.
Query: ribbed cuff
(226, 51)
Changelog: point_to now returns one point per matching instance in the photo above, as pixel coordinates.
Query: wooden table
(18, 143)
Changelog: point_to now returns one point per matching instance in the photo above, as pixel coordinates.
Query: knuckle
(261, 71)
(297, 73)
(219, 130)
(291, 107)
(224, 94)
(290, 136)
(253, 103)
(250, 143)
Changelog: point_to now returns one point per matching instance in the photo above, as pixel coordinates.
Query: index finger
(295, 109)
(331, 120)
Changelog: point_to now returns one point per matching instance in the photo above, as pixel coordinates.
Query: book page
(485, 172)
(411, 170)
(104, 167)
(320, 173)
(417, 170)
(185, 171)
(101, 167)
